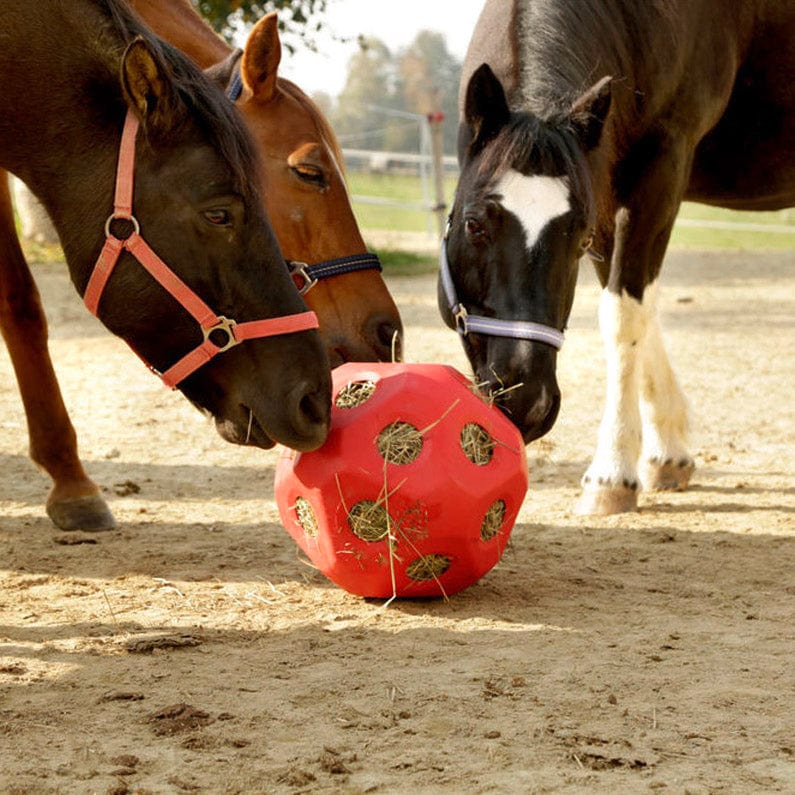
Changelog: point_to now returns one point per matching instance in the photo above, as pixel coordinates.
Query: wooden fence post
(439, 207)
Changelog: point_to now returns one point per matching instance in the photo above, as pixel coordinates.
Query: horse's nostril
(312, 408)
(310, 412)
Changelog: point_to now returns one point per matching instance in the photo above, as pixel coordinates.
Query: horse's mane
(206, 104)
(565, 47)
(324, 128)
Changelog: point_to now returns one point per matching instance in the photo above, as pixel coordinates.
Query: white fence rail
(422, 164)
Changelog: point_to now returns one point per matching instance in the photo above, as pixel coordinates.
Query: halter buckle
(299, 270)
(226, 326)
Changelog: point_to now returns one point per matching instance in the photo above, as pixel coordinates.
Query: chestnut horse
(585, 123)
(302, 182)
(144, 168)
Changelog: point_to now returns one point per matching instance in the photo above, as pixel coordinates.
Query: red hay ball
(417, 488)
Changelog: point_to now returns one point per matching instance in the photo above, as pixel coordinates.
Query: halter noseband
(212, 325)
(307, 276)
(493, 326)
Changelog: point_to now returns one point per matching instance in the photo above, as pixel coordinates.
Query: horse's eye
(311, 174)
(218, 216)
(474, 229)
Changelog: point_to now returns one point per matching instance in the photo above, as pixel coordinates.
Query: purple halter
(495, 327)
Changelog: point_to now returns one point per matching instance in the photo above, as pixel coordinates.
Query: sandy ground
(193, 651)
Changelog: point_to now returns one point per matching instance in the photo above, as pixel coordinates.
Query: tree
(429, 76)
(369, 86)
(384, 93)
(297, 18)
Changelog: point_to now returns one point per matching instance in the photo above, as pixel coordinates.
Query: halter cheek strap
(492, 326)
(220, 333)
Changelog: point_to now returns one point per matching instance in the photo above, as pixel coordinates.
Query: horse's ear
(485, 107)
(589, 112)
(148, 89)
(261, 58)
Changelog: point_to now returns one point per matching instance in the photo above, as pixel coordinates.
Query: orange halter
(209, 322)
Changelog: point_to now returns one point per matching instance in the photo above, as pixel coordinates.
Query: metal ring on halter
(225, 325)
(131, 218)
(300, 269)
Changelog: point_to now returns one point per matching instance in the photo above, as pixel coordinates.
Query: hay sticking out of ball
(477, 444)
(493, 520)
(354, 394)
(428, 567)
(399, 443)
(369, 520)
(306, 517)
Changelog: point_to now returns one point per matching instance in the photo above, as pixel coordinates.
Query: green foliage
(407, 263)
(387, 95)
(297, 18)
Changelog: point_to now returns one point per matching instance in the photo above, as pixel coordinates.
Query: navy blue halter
(307, 276)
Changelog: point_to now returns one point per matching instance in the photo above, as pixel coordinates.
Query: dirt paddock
(192, 650)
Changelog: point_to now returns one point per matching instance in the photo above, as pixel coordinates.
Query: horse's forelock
(531, 145)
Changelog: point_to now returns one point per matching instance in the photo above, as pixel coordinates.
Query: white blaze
(535, 200)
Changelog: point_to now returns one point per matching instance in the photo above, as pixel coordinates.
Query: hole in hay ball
(399, 443)
(369, 520)
(428, 567)
(492, 521)
(354, 394)
(478, 446)
(306, 516)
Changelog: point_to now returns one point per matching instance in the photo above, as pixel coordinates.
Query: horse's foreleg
(665, 462)
(649, 188)
(74, 502)
(610, 484)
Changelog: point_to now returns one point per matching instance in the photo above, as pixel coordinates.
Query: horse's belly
(747, 161)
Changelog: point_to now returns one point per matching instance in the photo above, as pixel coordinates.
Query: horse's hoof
(668, 475)
(605, 500)
(90, 514)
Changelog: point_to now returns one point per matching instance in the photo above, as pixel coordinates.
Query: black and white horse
(584, 125)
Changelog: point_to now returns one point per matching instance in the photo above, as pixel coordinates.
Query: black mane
(206, 103)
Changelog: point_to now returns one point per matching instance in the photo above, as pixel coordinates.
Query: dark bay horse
(584, 125)
(302, 182)
(145, 168)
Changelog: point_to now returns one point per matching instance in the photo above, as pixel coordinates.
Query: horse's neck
(177, 22)
(59, 127)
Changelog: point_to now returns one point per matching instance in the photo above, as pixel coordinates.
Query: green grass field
(408, 190)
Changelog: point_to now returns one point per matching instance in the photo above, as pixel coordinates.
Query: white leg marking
(662, 405)
(623, 322)
(535, 200)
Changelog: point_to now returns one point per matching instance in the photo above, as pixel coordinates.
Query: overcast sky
(395, 22)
